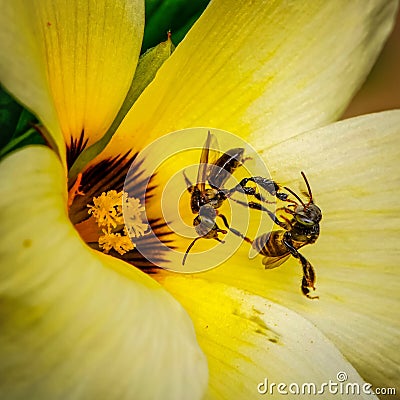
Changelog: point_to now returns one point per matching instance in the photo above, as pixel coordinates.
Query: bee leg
(251, 191)
(287, 224)
(269, 185)
(189, 248)
(287, 209)
(234, 231)
(223, 231)
(200, 237)
(217, 230)
(260, 207)
(308, 280)
(243, 160)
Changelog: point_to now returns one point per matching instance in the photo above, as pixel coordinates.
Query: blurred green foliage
(175, 15)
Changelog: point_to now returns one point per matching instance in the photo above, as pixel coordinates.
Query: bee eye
(304, 220)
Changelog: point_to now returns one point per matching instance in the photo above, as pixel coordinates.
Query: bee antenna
(308, 188)
(189, 248)
(295, 195)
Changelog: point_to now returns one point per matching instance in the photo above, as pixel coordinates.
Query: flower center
(96, 200)
(106, 224)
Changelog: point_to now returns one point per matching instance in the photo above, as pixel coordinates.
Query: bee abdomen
(270, 244)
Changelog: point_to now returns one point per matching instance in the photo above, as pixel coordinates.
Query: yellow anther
(107, 211)
(134, 216)
(116, 241)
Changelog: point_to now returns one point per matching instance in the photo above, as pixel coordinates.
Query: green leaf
(151, 7)
(184, 29)
(16, 125)
(175, 15)
(149, 64)
(10, 112)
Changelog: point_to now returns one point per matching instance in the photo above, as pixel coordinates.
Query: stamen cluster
(107, 210)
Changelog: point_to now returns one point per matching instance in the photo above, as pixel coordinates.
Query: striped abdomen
(270, 244)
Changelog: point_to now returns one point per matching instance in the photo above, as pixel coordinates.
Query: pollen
(133, 217)
(118, 242)
(107, 211)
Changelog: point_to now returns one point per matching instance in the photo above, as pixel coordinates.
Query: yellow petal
(259, 67)
(22, 69)
(77, 323)
(147, 67)
(74, 50)
(353, 170)
(248, 339)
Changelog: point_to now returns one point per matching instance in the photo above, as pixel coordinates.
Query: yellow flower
(77, 323)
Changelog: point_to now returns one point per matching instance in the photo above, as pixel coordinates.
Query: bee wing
(209, 155)
(213, 153)
(274, 262)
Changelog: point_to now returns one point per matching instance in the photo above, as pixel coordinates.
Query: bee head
(308, 215)
(204, 223)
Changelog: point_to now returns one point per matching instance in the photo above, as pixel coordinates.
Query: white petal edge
(77, 323)
(249, 339)
(352, 167)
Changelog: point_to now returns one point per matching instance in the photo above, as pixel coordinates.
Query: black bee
(205, 201)
(299, 229)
